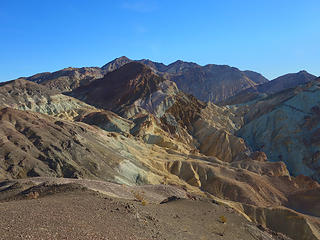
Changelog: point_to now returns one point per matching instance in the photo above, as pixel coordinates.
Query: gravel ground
(73, 212)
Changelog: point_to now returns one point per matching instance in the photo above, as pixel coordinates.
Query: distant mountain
(120, 88)
(180, 66)
(207, 83)
(256, 77)
(18, 93)
(25, 95)
(212, 82)
(155, 66)
(279, 84)
(286, 81)
(115, 64)
(68, 78)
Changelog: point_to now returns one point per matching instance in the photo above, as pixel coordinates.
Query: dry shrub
(32, 195)
(222, 219)
(139, 197)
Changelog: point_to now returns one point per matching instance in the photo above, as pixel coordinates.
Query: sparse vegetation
(138, 196)
(223, 219)
(32, 195)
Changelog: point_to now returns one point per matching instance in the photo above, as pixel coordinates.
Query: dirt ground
(74, 212)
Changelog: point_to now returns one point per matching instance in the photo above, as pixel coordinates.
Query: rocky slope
(286, 81)
(256, 77)
(121, 89)
(135, 127)
(68, 149)
(279, 84)
(138, 92)
(67, 79)
(211, 82)
(285, 126)
(116, 64)
(25, 95)
(208, 83)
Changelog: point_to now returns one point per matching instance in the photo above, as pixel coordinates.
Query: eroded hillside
(135, 127)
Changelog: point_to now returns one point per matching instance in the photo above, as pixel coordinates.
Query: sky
(273, 37)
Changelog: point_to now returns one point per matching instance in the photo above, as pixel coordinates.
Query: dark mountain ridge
(211, 82)
(277, 85)
(120, 87)
(207, 83)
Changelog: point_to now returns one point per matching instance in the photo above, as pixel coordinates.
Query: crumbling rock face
(214, 133)
(262, 168)
(235, 184)
(306, 201)
(77, 150)
(288, 128)
(259, 156)
(221, 144)
(25, 95)
(286, 221)
(108, 121)
(186, 110)
(62, 150)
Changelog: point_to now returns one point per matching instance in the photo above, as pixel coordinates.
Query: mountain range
(211, 82)
(217, 132)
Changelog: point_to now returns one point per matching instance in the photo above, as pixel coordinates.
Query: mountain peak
(180, 66)
(256, 77)
(122, 86)
(293, 76)
(180, 62)
(132, 69)
(122, 58)
(116, 63)
(304, 72)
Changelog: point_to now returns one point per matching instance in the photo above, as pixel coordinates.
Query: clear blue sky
(273, 37)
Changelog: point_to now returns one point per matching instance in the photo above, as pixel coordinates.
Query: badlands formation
(133, 125)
